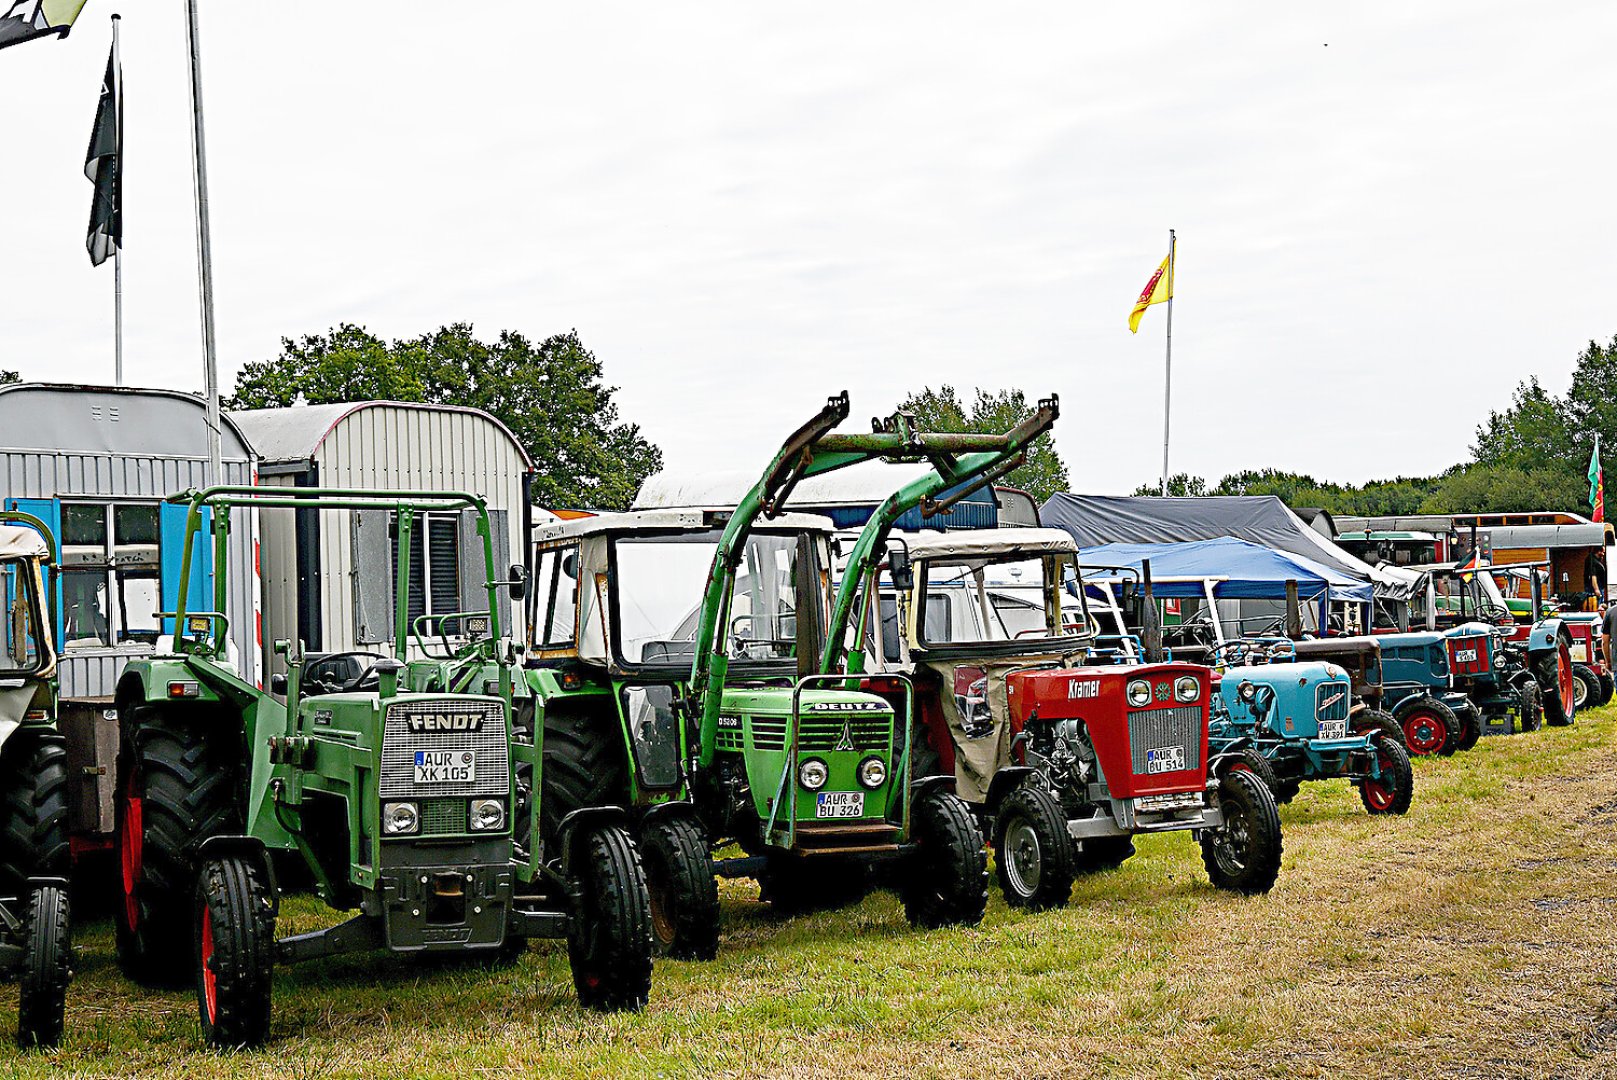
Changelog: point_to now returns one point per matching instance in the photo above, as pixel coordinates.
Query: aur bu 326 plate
(840, 804)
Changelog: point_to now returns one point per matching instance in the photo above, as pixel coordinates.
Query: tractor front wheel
(235, 952)
(47, 954)
(609, 935)
(1033, 852)
(1532, 708)
(1243, 854)
(1470, 725)
(33, 810)
(1585, 687)
(1390, 792)
(946, 881)
(1606, 688)
(1557, 683)
(1430, 727)
(684, 894)
(1374, 721)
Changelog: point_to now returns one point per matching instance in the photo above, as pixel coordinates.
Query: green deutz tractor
(397, 802)
(674, 656)
(35, 932)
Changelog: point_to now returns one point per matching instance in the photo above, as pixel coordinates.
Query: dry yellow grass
(1475, 937)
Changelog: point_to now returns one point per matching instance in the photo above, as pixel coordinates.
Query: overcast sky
(1388, 214)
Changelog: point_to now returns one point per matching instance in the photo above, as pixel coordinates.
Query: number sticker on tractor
(1165, 759)
(445, 766)
(840, 804)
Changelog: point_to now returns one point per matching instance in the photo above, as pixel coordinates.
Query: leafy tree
(1182, 484)
(1531, 434)
(9, 377)
(548, 393)
(1042, 476)
(1590, 405)
(1501, 489)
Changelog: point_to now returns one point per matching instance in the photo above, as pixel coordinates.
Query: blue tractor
(1417, 689)
(1288, 720)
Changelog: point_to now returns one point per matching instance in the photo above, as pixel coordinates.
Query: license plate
(1165, 759)
(445, 766)
(840, 804)
(1333, 729)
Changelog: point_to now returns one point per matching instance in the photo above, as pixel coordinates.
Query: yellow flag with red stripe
(1157, 290)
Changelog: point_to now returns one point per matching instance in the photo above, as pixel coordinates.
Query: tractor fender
(569, 830)
(1546, 636)
(1004, 782)
(247, 847)
(927, 784)
(672, 808)
(1225, 754)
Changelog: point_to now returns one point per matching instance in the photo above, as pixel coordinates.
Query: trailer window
(111, 574)
(22, 654)
(1004, 599)
(434, 564)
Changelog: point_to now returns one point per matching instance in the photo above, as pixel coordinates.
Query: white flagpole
(1167, 370)
(118, 246)
(199, 160)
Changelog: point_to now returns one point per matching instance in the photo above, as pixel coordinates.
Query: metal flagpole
(118, 246)
(199, 159)
(1167, 371)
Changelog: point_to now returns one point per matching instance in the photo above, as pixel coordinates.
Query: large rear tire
(583, 762)
(177, 787)
(47, 958)
(609, 936)
(1390, 792)
(33, 810)
(945, 881)
(234, 929)
(1585, 687)
(1556, 686)
(683, 892)
(1243, 855)
(1033, 852)
(1430, 726)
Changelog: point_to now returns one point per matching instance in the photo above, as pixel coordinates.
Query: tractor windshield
(997, 599)
(659, 584)
(24, 653)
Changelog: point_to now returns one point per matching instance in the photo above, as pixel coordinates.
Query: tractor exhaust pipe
(1294, 612)
(1150, 619)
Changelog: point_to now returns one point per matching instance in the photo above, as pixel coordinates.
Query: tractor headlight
(813, 774)
(1139, 693)
(1186, 688)
(487, 815)
(400, 818)
(873, 772)
(1248, 692)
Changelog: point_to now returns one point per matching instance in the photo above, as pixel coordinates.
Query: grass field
(1477, 936)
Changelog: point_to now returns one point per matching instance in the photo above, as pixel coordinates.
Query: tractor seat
(331, 672)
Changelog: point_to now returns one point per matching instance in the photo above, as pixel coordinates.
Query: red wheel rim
(210, 981)
(1563, 677)
(1424, 732)
(1376, 792)
(129, 852)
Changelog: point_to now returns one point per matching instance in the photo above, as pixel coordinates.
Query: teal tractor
(675, 662)
(1294, 716)
(398, 803)
(35, 927)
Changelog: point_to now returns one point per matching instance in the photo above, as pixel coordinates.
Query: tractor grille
(1469, 655)
(1153, 729)
(492, 775)
(768, 734)
(441, 817)
(867, 732)
(1331, 701)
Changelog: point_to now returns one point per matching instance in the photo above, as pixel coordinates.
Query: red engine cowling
(1470, 655)
(1159, 748)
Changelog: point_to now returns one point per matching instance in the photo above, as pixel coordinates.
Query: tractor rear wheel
(1430, 726)
(1390, 792)
(946, 880)
(583, 762)
(1033, 852)
(33, 810)
(1470, 725)
(177, 787)
(683, 892)
(1532, 717)
(1243, 854)
(1607, 686)
(47, 953)
(1374, 721)
(234, 927)
(609, 934)
(1585, 687)
(1556, 683)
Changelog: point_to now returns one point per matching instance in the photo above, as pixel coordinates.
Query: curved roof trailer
(950, 470)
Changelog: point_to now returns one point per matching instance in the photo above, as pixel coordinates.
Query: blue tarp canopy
(1254, 572)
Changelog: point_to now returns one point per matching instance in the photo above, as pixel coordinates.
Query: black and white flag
(103, 167)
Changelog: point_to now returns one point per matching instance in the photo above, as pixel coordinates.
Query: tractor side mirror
(518, 581)
(900, 569)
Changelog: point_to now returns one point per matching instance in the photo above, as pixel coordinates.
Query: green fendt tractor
(397, 802)
(675, 666)
(35, 933)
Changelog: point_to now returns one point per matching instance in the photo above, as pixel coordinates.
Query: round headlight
(487, 815)
(1139, 693)
(872, 772)
(1186, 688)
(813, 774)
(1248, 692)
(400, 818)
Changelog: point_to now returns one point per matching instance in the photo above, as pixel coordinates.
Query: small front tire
(1430, 727)
(683, 893)
(235, 952)
(1033, 852)
(946, 880)
(1585, 687)
(609, 938)
(47, 957)
(1243, 854)
(1390, 792)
